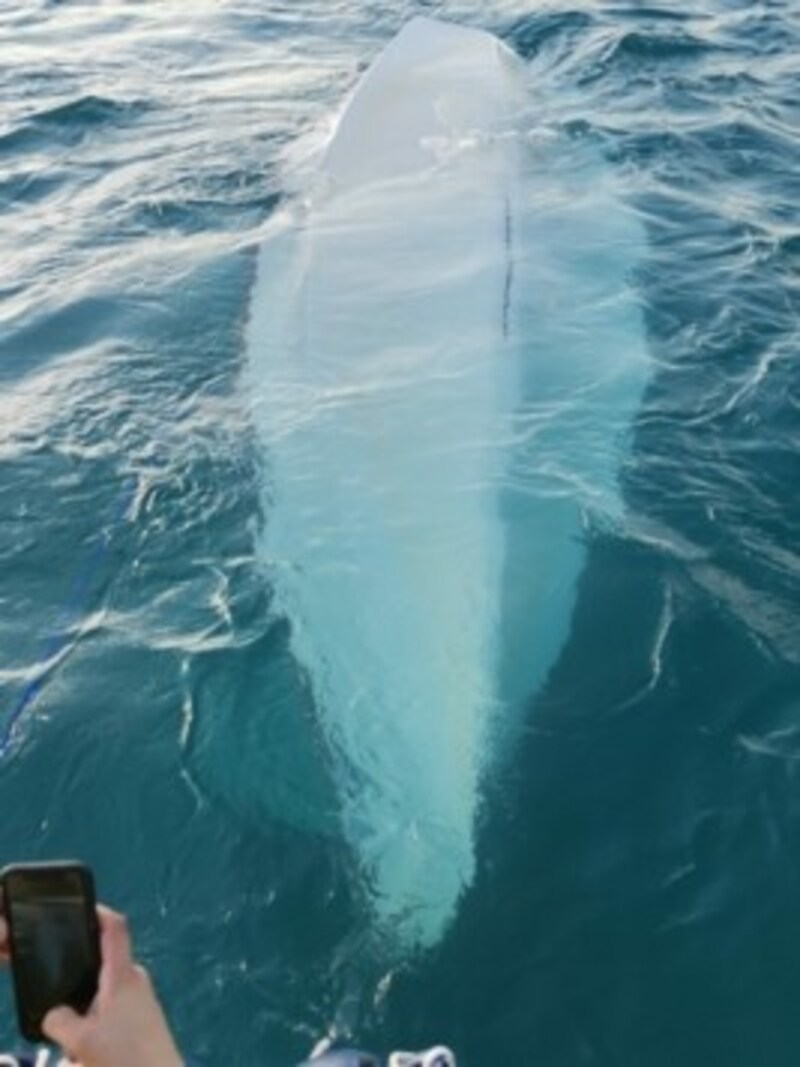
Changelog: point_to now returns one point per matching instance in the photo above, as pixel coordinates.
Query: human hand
(3, 939)
(125, 1026)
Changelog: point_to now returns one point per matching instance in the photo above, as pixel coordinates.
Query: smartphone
(53, 937)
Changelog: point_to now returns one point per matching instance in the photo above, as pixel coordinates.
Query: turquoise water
(636, 893)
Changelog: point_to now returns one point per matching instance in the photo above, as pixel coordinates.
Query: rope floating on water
(57, 645)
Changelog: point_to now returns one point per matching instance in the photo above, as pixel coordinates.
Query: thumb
(64, 1026)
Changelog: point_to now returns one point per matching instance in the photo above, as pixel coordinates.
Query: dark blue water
(637, 896)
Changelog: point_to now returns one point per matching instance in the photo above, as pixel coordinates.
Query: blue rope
(60, 639)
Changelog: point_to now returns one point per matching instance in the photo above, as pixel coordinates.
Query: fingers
(115, 947)
(65, 1028)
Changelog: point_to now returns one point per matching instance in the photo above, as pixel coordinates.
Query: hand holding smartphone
(53, 939)
(74, 971)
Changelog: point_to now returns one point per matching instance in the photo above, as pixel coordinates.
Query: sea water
(635, 894)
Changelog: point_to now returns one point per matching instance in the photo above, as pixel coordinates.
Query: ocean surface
(636, 901)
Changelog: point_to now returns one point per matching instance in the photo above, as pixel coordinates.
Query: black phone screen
(53, 938)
